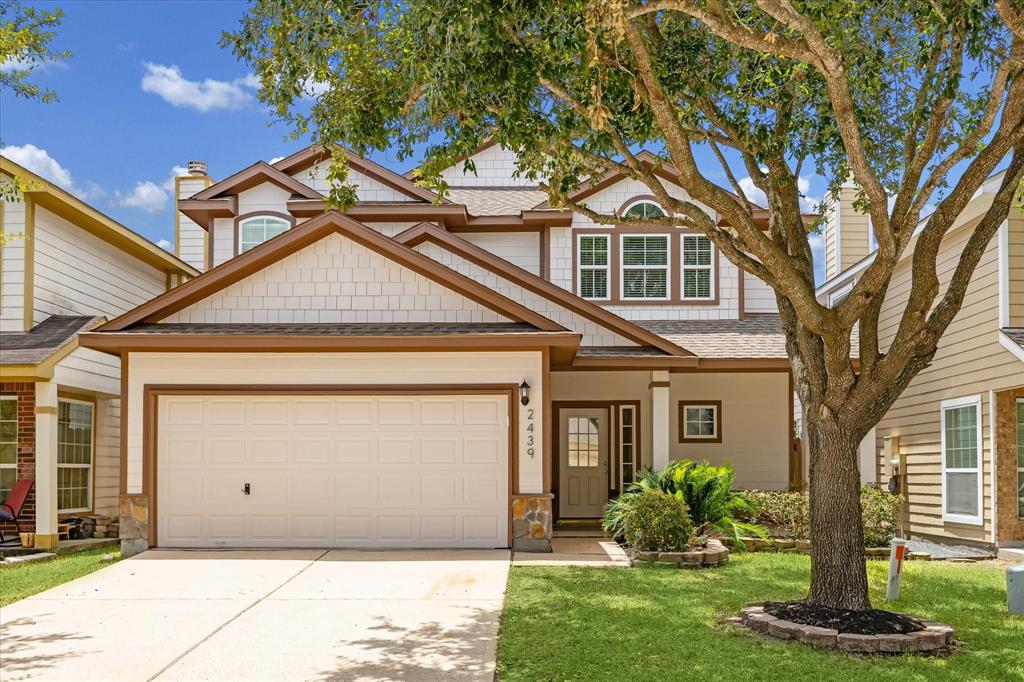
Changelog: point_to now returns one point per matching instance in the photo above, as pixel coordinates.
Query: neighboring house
(957, 432)
(64, 269)
(415, 372)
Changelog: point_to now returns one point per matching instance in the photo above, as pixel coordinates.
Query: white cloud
(176, 171)
(11, 64)
(165, 245)
(275, 160)
(147, 196)
(41, 163)
(169, 83)
(756, 195)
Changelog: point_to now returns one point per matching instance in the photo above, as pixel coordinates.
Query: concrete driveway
(265, 615)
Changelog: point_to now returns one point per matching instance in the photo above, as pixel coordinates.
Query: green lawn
(18, 582)
(667, 624)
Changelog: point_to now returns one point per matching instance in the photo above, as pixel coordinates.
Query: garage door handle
(247, 489)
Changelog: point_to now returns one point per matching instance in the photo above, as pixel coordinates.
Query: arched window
(644, 209)
(258, 229)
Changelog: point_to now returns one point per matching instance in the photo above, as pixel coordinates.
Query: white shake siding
(495, 167)
(353, 369)
(12, 268)
(758, 297)
(265, 197)
(336, 280)
(593, 334)
(367, 189)
(79, 274)
(223, 240)
(519, 248)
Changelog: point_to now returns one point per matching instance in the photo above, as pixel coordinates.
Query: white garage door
(332, 471)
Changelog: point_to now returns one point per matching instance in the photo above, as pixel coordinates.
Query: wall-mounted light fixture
(524, 393)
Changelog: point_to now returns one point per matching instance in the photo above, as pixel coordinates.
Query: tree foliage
(25, 36)
(916, 101)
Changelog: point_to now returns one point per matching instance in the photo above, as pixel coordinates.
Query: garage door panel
(340, 471)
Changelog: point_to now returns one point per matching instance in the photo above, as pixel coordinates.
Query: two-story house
(416, 372)
(65, 268)
(955, 438)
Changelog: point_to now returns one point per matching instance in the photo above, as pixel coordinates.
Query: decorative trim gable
(309, 233)
(254, 175)
(542, 287)
(314, 154)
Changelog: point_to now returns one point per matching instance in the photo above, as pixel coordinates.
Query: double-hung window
(74, 455)
(645, 267)
(8, 444)
(593, 260)
(254, 231)
(698, 268)
(961, 460)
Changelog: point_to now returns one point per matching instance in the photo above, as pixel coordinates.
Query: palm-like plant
(707, 490)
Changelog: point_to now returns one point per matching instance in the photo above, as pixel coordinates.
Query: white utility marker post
(897, 550)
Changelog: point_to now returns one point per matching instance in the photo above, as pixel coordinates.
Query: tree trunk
(838, 569)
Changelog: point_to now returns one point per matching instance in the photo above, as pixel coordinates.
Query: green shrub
(714, 507)
(613, 517)
(656, 521)
(787, 514)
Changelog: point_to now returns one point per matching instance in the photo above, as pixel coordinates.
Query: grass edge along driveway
(24, 580)
(667, 624)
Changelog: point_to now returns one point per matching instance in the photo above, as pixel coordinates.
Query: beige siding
(1015, 269)
(12, 268)
(79, 274)
(191, 237)
(336, 280)
(223, 240)
(756, 426)
(846, 233)
(831, 226)
(265, 197)
(108, 456)
(969, 362)
(519, 248)
(352, 369)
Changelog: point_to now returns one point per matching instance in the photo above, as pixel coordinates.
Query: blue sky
(149, 88)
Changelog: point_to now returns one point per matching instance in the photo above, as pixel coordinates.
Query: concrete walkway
(265, 615)
(594, 552)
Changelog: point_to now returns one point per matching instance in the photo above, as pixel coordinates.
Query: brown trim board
(428, 232)
(254, 175)
(153, 392)
(304, 235)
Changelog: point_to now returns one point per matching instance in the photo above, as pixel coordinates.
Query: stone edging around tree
(935, 637)
(715, 554)
(804, 547)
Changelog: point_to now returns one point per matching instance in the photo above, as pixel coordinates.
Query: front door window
(583, 462)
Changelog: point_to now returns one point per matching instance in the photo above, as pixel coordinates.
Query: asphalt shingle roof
(756, 336)
(496, 200)
(1016, 334)
(43, 340)
(357, 329)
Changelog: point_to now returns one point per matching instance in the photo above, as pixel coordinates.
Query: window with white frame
(698, 268)
(8, 444)
(644, 209)
(1020, 458)
(836, 297)
(627, 445)
(592, 257)
(872, 239)
(74, 455)
(700, 421)
(254, 231)
(961, 460)
(644, 262)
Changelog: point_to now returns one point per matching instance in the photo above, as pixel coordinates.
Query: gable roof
(314, 154)
(254, 175)
(304, 235)
(96, 223)
(538, 285)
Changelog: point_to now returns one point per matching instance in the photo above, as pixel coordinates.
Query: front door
(583, 462)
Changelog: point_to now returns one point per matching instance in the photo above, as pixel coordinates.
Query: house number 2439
(529, 433)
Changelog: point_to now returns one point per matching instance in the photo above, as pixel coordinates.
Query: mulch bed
(873, 622)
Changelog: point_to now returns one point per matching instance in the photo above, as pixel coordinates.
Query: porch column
(659, 418)
(46, 464)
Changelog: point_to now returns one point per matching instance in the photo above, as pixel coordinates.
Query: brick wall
(26, 395)
(1009, 524)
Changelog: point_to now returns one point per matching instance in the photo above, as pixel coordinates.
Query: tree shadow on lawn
(653, 623)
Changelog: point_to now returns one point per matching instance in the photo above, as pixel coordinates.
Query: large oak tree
(917, 101)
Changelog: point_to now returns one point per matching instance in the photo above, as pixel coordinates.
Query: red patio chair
(10, 510)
